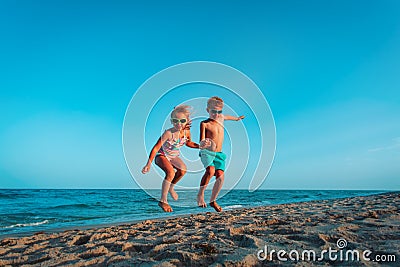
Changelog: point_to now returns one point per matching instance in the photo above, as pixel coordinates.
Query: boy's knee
(220, 178)
(219, 174)
(210, 171)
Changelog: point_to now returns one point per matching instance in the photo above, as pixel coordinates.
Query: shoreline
(167, 215)
(230, 238)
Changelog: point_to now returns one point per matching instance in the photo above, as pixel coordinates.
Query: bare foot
(200, 201)
(216, 206)
(165, 206)
(173, 194)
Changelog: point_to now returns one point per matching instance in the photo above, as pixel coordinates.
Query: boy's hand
(240, 118)
(208, 144)
(205, 143)
(146, 169)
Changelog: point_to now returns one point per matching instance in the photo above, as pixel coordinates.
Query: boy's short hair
(215, 101)
(181, 109)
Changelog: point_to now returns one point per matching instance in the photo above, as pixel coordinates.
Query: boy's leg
(219, 181)
(210, 170)
(167, 167)
(180, 172)
(219, 163)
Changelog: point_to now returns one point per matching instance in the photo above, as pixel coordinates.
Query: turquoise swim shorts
(211, 158)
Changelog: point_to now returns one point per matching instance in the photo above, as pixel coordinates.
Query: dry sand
(230, 238)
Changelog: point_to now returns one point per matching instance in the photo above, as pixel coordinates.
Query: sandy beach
(369, 225)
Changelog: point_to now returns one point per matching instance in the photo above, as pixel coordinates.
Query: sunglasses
(178, 120)
(213, 111)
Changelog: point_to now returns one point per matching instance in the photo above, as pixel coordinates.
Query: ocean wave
(26, 224)
(69, 206)
(233, 207)
(301, 196)
(6, 196)
(265, 202)
(12, 195)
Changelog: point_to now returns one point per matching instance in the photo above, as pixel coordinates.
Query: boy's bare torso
(215, 131)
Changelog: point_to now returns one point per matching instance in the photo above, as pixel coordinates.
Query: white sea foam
(26, 224)
(232, 207)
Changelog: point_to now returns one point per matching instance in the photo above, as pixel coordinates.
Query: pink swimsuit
(171, 147)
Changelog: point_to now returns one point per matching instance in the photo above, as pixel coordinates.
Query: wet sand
(230, 238)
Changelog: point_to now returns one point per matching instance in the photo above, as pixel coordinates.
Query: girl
(166, 153)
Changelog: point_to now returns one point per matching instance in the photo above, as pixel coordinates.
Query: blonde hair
(185, 109)
(215, 101)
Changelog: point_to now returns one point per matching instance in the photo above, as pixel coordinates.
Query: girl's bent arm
(202, 131)
(190, 143)
(154, 151)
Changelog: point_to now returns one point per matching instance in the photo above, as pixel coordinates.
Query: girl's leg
(180, 167)
(167, 167)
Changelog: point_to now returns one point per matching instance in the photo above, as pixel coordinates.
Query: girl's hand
(146, 169)
(188, 125)
(240, 118)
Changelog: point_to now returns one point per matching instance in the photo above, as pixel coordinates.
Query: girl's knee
(169, 175)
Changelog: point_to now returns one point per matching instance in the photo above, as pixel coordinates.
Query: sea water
(24, 211)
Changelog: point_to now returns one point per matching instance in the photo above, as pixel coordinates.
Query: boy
(212, 137)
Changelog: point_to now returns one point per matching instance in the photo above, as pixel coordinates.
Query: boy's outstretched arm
(154, 151)
(233, 118)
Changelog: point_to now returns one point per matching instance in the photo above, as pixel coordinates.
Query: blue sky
(328, 69)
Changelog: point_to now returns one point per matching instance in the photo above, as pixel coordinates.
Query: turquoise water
(26, 211)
